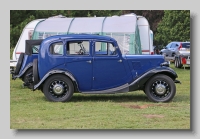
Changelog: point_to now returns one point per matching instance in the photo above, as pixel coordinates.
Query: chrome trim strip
(123, 88)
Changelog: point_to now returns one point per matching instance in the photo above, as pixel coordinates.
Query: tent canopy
(122, 28)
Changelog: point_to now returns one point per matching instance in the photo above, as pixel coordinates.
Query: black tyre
(26, 79)
(160, 88)
(177, 62)
(58, 88)
(35, 72)
(19, 63)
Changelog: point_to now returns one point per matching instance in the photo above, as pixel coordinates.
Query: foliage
(175, 26)
(15, 31)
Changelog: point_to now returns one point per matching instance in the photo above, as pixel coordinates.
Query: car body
(173, 48)
(94, 64)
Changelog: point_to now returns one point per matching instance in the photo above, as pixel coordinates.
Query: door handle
(120, 60)
(89, 61)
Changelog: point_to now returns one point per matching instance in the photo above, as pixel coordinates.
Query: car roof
(80, 36)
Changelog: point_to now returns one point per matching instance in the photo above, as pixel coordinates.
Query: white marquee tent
(122, 28)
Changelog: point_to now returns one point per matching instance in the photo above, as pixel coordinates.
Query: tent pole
(70, 25)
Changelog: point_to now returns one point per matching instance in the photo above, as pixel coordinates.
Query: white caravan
(146, 35)
(25, 35)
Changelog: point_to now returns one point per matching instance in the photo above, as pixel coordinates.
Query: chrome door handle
(120, 60)
(89, 61)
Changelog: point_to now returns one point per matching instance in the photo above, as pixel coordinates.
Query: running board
(121, 89)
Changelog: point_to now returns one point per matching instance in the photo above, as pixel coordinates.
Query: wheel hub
(58, 89)
(160, 89)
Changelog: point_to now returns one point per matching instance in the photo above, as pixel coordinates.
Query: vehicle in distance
(173, 48)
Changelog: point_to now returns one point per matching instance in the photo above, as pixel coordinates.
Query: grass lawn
(132, 110)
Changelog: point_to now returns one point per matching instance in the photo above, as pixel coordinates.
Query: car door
(167, 50)
(79, 63)
(108, 67)
(172, 49)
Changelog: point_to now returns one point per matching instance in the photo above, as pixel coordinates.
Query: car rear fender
(53, 72)
(23, 71)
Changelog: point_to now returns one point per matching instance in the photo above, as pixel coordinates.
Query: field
(132, 110)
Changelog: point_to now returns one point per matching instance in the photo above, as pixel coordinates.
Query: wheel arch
(57, 72)
(140, 82)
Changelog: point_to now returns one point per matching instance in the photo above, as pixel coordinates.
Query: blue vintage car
(94, 64)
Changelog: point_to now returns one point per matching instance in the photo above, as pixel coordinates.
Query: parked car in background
(182, 57)
(173, 48)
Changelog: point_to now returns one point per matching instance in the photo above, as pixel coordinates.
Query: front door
(108, 67)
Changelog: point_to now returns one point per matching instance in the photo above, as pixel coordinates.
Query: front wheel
(160, 88)
(58, 88)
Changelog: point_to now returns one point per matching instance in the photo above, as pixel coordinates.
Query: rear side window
(35, 49)
(186, 45)
(56, 48)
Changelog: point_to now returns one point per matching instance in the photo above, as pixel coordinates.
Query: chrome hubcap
(58, 89)
(160, 89)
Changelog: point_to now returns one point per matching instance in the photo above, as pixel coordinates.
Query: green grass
(30, 110)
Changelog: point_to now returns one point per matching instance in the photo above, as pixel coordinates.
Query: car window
(78, 48)
(104, 48)
(35, 49)
(185, 45)
(168, 46)
(56, 48)
(174, 45)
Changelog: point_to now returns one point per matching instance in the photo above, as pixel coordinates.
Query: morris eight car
(94, 64)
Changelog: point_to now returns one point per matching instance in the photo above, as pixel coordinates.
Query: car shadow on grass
(109, 97)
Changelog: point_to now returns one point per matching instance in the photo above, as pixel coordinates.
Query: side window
(173, 45)
(168, 46)
(56, 48)
(104, 48)
(78, 48)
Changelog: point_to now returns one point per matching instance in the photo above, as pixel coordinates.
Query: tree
(175, 26)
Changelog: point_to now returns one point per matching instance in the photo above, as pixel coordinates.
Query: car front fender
(141, 80)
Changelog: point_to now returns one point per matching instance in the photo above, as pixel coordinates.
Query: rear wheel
(35, 72)
(160, 88)
(28, 77)
(58, 88)
(177, 62)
